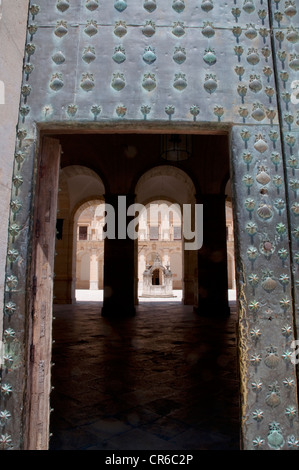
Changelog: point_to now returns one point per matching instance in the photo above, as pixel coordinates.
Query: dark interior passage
(166, 376)
(164, 379)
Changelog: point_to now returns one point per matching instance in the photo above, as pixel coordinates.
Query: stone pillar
(141, 269)
(212, 259)
(189, 277)
(100, 273)
(119, 260)
(165, 257)
(94, 272)
(190, 260)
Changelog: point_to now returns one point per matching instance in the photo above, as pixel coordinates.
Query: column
(189, 279)
(119, 261)
(93, 272)
(212, 259)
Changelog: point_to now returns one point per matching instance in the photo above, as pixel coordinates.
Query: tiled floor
(163, 380)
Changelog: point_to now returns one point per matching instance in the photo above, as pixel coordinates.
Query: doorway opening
(231, 268)
(90, 222)
(157, 277)
(165, 190)
(160, 252)
(109, 370)
(79, 249)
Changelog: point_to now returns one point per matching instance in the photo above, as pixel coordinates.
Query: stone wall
(13, 23)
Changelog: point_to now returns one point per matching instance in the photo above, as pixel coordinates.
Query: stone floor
(163, 380)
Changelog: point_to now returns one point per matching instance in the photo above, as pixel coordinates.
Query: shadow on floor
(163, 380)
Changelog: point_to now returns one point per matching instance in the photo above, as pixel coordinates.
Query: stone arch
(83, 184)
(94, 281)
(78, 187)
(172, 184)
(81, 206)
(160, 182)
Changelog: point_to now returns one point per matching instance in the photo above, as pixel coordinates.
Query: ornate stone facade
(157, 280)
(90, 247)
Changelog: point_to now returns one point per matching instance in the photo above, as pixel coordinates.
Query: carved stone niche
(157, 280)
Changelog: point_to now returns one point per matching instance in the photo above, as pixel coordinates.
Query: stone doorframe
(266, 322)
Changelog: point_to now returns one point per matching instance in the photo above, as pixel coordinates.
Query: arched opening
(160, 247)
(90, 222)
(164, 191)
(123, 369)
(80, 190)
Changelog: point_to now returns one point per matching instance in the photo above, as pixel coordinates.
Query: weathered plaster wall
(13, 23)
(202, 65)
